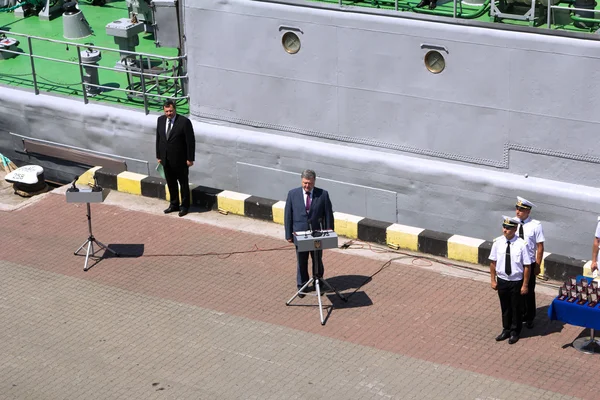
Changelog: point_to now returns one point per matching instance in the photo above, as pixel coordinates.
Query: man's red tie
(307, 201)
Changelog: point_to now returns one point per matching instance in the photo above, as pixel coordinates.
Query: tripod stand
(315, 244)
(90, 242)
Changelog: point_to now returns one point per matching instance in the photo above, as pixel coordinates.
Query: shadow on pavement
(346, 282)
(194, 209)
(585, 333)
(125, 251)
(355, 300)
(542, 325)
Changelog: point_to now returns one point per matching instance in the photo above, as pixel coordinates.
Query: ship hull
(390, 140)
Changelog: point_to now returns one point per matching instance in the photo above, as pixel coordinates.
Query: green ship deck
(64, 78)
(562, 16)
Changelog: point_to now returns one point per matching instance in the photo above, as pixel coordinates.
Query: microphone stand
(91, 240)
(316, 278)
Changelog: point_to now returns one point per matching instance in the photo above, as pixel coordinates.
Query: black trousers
(302, 266)
(177, 172)
(529, 307)
(511, 301)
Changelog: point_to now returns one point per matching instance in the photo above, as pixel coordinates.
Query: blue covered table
(579, 315)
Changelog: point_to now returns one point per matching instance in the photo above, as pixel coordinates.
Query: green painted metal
(464, 11)
(594, 21)
(64, 79)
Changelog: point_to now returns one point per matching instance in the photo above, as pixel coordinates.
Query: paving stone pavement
(188, 320)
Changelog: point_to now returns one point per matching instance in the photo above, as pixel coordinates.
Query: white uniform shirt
(519, 257)
(597, 235)
(533, 234)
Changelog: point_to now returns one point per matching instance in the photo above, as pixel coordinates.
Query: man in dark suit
(175, 150)
(305, 207)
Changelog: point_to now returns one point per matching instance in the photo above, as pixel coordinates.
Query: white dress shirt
(519, 257)
(533, 234)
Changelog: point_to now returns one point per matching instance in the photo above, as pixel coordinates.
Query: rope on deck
(7, 164)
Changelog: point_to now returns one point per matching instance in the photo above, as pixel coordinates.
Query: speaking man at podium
(307, 208)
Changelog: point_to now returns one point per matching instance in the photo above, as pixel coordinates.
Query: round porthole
(434, 61)
(291, 42)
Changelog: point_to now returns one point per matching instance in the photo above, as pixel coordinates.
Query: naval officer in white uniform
(509, 273)
(531, 231)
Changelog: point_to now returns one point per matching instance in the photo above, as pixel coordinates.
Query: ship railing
(569, 9)
(139, 69)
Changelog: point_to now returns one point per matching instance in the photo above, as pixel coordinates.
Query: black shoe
(171, 209)
(432, 5)
(513, 339)
(302, 294)
(183, 212)
(423, 3)
(503, 336)
(529, 324)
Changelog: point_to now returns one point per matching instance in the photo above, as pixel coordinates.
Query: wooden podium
(91, 195)
(316, 241)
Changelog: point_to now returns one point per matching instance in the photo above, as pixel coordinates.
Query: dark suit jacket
(295, 217)
(181, 146)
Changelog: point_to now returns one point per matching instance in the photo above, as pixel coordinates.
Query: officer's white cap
(510, 222)
(524, 203)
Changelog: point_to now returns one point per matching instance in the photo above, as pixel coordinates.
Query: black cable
(223, 256)
(350, 245)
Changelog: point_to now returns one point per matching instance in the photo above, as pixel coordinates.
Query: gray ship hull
(390, 140)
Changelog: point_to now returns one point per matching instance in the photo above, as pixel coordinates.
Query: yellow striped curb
(232, 202)
(346, 224)
(403, 236)
(87, 178)
(130, 182)
(464, 248)
(278, 212)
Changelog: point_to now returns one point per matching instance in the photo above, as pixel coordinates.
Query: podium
(316, 241)
(89, 195)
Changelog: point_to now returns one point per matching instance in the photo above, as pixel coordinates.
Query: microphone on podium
(318, 233)
(74, 188)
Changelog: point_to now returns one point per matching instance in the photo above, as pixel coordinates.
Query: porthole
(434, 61)
(291, 42)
